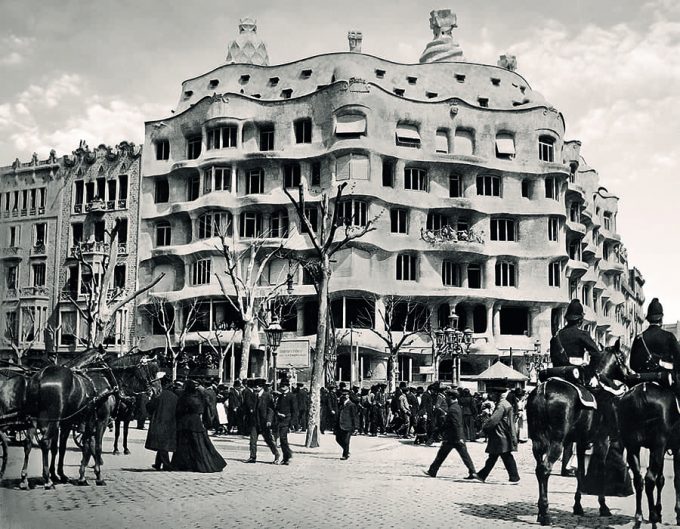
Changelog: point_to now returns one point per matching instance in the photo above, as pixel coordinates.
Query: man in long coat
(162, 434)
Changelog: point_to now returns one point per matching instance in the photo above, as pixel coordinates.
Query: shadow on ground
(522, 511)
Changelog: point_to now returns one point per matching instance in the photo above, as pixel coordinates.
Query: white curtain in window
(463, 143)
(505, 144)
(442, 141)
(358, 167)
(350, 124)
(407, 132)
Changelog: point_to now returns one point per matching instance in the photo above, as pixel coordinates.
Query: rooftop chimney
(355, 38)
(507, 61)
(247, 47)
(442, 47)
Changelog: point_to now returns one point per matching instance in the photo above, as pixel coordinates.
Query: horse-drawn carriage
(50, 402)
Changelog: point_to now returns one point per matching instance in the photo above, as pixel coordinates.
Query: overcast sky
(97, 69)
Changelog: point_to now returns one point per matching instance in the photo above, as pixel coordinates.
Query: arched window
(546, 148)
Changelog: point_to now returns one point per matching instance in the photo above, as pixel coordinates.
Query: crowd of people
(184, 413)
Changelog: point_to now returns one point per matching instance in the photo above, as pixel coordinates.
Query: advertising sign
(293, 353)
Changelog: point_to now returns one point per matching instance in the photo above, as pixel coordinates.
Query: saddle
(585, 397)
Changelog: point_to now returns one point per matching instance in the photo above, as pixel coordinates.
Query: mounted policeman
(655, 350)
(569, 346)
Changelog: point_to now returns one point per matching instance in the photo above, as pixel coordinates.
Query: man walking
(502, 438)
(162, 434)
(452, 438)
(286, 410)
(347, 422)
(260, 421)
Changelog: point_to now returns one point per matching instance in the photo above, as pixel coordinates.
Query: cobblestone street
(381, 485)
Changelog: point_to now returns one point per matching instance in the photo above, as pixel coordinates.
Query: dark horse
(649, 417)
(555, 417)
(59, 397)
(12, 404)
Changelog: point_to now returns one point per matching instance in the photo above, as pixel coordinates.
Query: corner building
(464, 167)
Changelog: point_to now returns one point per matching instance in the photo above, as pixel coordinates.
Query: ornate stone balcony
(34, 292)
(38, 249)
(12, 252)
(449, 234)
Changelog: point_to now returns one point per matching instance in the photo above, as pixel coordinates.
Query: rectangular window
(399, 220)
(574, 250)
(585, 295)
(161, 191)
(78, 195)
(352, 166)
(442, 141)
(503, 230)
(14, 236)
(463, 142)
(162, 150)
(505, 146)
(574, 212)
(38, 273)
(451, 274)
(255, 181)
(489, 185)
(352, 213)
(316, 174)
(278, 224)
(388, 173)
(194, 147)
(350, 125)
(407, 267)
(163, 233)
(436, 221)
(455, 189)
(303, 130)
(39, 234)
(76, 233)
(291, 175)
(250, 225)
(554, 273)
(193, 187)
(474, 276)
(408, 136)
(505, 275)
(607, 221)
(312, 214)
(552, 188)
(11, 277)
(222, 137)
(546, 149)
(415, 179)
(200, 272)
(217, 179)
(526, 188)
(266, 137)
(68, 328)
(553, 228)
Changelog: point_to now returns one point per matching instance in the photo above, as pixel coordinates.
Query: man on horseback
(569, 345)
(655, 350)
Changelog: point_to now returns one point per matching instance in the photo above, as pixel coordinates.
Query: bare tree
(102, 301)
(400, 321)
(175, 329)
(219, 347)
(20, 340)
(244, 272)
(324, 246)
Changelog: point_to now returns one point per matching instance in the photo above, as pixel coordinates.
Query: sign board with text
(293, 353)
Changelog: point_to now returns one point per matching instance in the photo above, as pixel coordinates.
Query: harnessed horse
(555, 417)
(59, 397)
(649, 418)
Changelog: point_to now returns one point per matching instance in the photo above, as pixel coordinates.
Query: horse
(649, 418)
(555, 417)
(12, 406)
(60, 397)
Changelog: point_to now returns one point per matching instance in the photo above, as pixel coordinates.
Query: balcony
(11, 293)
(122, 203)
(576, 227)
(12, 252)
(576, 268)
(90, 248)
(449, 234)
(35, 292)
(38, 249)
(96, 206)
(611, 267)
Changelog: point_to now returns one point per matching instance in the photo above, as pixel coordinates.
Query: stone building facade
(482, 207)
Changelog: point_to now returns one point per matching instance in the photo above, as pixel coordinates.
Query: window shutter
(342, 167)
(350, 124)
(359, 167)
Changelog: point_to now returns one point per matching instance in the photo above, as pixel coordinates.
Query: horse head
(613, 363)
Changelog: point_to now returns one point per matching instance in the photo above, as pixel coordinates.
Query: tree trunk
(312, 440)
(174, 369)
(391, 373)
(220, 367)
(245, 348)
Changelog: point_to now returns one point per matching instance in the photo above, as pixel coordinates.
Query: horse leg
(86, 451)
(545, 459)
(63, 439)
(126, 427)
(116, 436)
(98, 441)
(633, 459)
(45, 442)
(580, 476)
(676, 483)
(660, 482)
(654, 469)
(28, 444)
(54, 447)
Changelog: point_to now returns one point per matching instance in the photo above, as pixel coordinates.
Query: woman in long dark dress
(195, 452)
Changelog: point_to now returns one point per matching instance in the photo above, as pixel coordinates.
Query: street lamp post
(535, 361)
(453, 342)
(274, 332)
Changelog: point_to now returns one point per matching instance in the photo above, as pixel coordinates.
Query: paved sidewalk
(381, 485)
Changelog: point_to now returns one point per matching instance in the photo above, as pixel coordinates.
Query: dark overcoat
(500, 429)
(453, 424)
(162, 434)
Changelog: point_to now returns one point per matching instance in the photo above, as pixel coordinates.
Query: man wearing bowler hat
(261, 420)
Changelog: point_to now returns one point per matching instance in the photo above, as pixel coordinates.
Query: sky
(97, 69)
